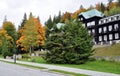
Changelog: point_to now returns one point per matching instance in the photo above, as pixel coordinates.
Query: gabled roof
(91, 13)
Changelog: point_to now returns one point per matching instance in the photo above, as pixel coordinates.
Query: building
(105, 30)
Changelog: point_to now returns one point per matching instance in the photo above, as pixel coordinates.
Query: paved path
(75, 70)
(7, 69)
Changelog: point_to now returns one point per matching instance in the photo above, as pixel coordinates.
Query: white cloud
(15, 9)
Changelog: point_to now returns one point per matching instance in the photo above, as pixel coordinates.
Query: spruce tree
(70, 44)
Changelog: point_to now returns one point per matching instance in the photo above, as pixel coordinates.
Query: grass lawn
(103, 66)
(34, 59)
(69, 73)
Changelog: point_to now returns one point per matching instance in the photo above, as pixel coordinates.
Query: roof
(91, 13)
(59, 25)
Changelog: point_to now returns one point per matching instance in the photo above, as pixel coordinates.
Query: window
(109, 19)
(88, 24)
(116, 26)
(116, 35)
(81, 18)
(93, 31)
(100, 30)
(105, 37)
(104, 21)
(110, 28)
(110, 36)
(105, 29)
(100, 22)
(93, 23)
(100, 38)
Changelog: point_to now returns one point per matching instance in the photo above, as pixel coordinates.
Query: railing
(109, 19)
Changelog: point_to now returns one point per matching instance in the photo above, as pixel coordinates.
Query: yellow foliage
(38, 34)
(3, 33)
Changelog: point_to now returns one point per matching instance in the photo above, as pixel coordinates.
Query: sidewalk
(74, 70)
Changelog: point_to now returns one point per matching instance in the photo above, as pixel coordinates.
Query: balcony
(109, 19)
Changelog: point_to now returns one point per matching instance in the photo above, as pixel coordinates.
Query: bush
(7, 54)
(25, 56)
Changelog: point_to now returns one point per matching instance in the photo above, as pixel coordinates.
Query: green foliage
(113, 11)
(10, 28)
(102, 8)
(23, 21)
(5, 51)
(103, 66)
(49, 24)
(70, 44)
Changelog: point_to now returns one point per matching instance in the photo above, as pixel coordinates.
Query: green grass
(103, 66)
(113, 50)
(1, 56)
(69, 73)
(34, 59)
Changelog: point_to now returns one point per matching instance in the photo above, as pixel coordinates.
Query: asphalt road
(7, 69)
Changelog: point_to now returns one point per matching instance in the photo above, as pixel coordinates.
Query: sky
(15, 9)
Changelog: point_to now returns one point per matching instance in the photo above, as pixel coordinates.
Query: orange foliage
(75, 14)
(41, 32)
(66, 17)
(98, 6)
(40, 36)
(112, 4)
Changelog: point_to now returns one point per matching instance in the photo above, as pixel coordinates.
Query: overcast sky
(15, 9)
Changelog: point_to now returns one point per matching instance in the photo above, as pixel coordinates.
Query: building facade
(105, 30)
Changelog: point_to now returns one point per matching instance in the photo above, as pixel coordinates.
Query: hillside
(113, 50)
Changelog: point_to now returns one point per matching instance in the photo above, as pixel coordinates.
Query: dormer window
(81, 19)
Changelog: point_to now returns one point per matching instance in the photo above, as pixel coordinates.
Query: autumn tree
(6, 43)
(19, 32)
(33, 35)
(11, 31)
(66, 17)
(76, 13)
(100, 7)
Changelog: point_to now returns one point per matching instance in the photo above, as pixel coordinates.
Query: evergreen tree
(5, 51)
(23, 21)
(102, 8)
(70, 44)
